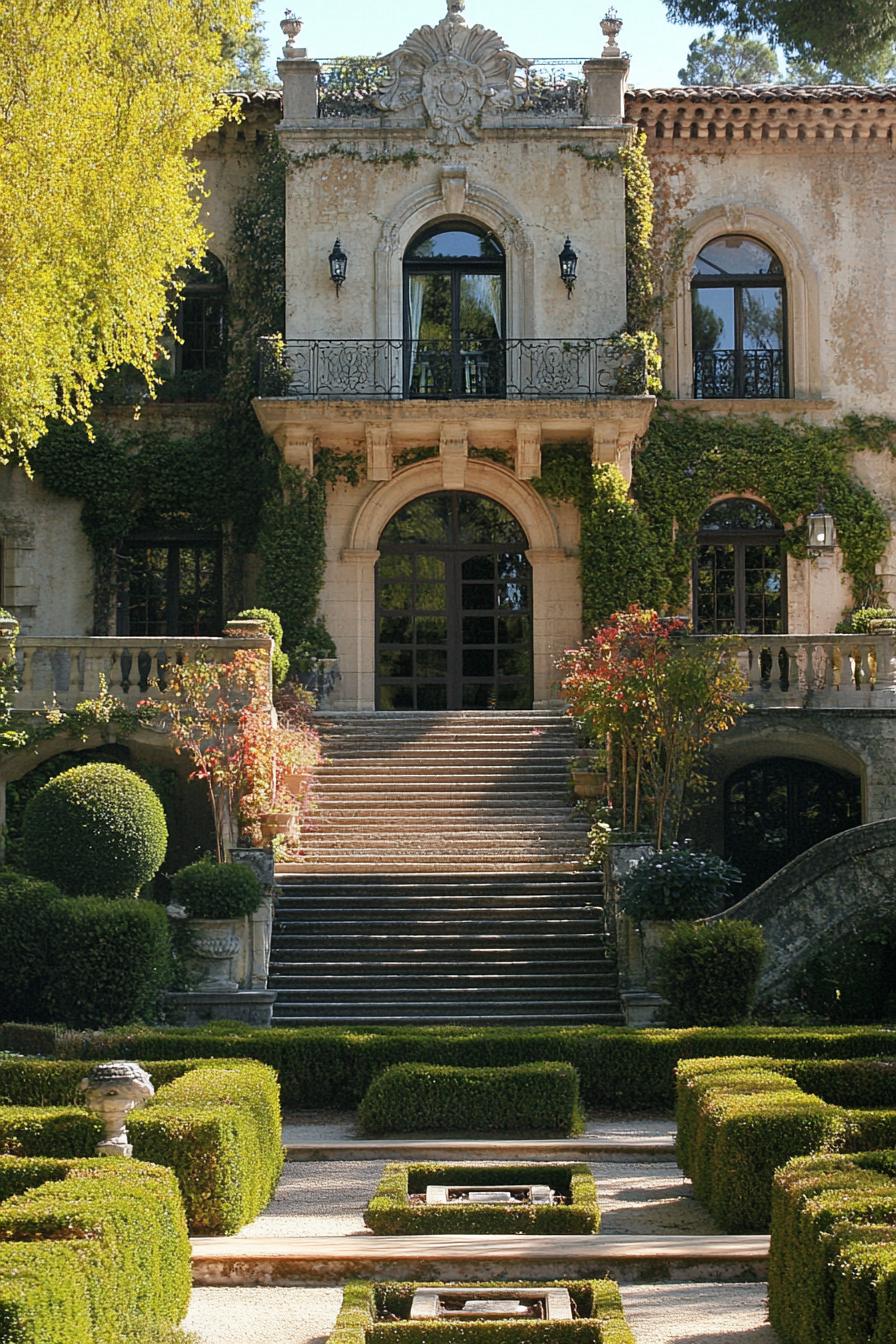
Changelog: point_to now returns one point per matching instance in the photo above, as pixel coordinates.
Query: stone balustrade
(821, 671)
(66, 670)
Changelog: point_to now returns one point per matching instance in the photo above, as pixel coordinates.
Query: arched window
(739, 320)
(454, 313)
(779, 807)
(739, 571)
(202, 319)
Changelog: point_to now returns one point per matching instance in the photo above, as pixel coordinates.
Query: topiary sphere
(95, 830)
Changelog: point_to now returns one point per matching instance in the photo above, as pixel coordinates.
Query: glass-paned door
(453, 607)
(777, 808)
(454, 314)
(739, 320)
(739, 571)
(170, 587)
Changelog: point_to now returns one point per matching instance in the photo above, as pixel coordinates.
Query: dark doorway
(453, 607)
(779, 807)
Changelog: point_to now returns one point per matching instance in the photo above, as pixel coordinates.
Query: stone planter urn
(112, 1091)
(588, 783)
(275, 823)
(217, 945)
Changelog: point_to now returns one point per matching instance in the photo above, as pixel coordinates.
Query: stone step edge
(307, 1261)
(488, 1150)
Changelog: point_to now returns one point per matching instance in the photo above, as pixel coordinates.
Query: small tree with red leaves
(654, 696)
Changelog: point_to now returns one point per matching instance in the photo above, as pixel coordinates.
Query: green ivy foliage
(689, 460)
(619, 563)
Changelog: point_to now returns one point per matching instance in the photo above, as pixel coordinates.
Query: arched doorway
(779, 807)
(453, 607)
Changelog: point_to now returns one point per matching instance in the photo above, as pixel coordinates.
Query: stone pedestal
(192, 1009)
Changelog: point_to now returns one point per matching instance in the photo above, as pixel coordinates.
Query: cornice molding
(766, 116)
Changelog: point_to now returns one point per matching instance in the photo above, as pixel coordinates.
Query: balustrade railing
(384, 370)
(740, 373)
(63, 671)
(823, 671)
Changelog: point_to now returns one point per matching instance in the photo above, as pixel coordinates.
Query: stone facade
(451, 137)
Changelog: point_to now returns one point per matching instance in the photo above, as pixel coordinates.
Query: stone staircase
(442, 880)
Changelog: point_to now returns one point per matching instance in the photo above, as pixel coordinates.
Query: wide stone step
(308, 1261)
(600, 984)
(417, 866)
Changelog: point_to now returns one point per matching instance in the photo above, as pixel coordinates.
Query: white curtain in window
(489, 291)
(416, 291)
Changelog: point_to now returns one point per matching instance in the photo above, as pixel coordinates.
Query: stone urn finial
(290, 26)
(611, 26)
(456, 6)
(112, 1091)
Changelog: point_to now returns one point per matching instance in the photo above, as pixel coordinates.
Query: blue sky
(358, 28)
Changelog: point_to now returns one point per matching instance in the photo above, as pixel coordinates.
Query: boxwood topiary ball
(209, 890)
(96, 830)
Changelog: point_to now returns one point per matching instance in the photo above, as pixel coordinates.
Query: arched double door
(453, 607)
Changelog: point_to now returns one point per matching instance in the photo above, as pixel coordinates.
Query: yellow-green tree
(101, 104)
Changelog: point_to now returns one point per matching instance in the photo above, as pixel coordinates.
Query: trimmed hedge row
(215, 1123)
(389, 1212)
(832, 1264)
(54, 1082)
(540, 1098)
(376, 1313)
(625, 1068)
(740, 1119)
(99, 1254)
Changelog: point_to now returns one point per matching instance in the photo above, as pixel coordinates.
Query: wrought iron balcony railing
(474, 369)
(349, 86)
(740, 373)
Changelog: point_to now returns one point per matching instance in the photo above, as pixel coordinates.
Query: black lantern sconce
(568, 263)
(338, 266)
(822, 534)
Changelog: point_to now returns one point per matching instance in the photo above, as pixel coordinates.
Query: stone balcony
(64, 671)
(819, 671)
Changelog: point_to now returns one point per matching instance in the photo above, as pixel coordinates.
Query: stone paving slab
(699, 1313)
(607, 1149)
(307, 1261)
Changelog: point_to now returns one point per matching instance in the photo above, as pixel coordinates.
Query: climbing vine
(618, 554)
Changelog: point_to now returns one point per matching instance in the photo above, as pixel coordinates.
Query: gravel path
(263, 1315)
(699, 1313)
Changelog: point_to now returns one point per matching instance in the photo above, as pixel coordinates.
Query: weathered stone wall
(46, 571)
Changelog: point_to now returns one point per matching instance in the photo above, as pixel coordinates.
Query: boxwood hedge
(832, 1264)
(215, 1123)
(540, 1098)
(390, 1212)
(740, 1119)
(99, 1254)
(376, 1313)
(623, 1068)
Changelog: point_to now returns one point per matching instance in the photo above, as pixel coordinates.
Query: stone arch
(803, 335)
(556, 593)
(454, 196)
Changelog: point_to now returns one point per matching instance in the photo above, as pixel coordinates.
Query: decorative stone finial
(456, 6)
(290, 26)
(610, 26)
(112, 1091)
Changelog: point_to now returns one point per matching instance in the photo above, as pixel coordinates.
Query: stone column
(300, 78)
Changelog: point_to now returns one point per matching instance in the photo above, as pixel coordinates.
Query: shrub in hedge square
(378, 1314)
(219, 1129)
(709, 972)
(104, 1251)
(391, 1212)
(540, 1098)
(832, 1264)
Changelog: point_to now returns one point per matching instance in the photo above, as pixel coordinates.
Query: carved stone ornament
(455, 72)
(112, 1091)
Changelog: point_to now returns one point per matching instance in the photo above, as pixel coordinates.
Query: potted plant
(589, 775)
(216, 899)
(674, 884)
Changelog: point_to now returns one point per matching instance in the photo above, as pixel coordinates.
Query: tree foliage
(100, 104)
(729, 59)
(842, 37)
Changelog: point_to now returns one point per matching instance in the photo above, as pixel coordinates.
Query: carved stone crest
(455, 72)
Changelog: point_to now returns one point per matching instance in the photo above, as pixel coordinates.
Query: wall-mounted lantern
(822, 534)
(338, 266)
(568, 263)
